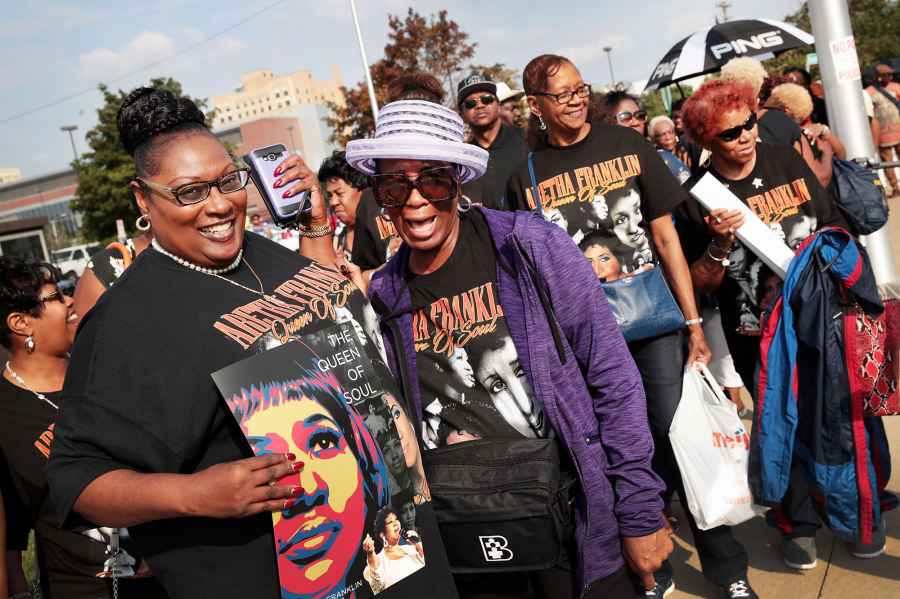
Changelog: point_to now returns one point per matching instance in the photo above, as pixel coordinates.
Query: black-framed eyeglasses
(438, 184)
(732, 133)
(582, 91)
(486, 100)
(626, 116)
(196, 192)
(56, 294)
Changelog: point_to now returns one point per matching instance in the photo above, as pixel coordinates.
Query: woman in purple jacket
(484, 281)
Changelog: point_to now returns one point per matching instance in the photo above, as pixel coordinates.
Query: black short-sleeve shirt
(506, 153)
(139, 396)
(785, 194)
(609, 185)
(470, 378)
(375, 239)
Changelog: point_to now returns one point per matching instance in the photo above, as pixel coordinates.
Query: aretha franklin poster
(362, 524)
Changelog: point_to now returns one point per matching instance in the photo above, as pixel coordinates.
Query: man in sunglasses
(480, 110)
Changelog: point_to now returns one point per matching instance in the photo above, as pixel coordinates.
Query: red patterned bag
(873, 358)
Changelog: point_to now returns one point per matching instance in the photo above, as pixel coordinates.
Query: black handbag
(502, 505)
(642, 303)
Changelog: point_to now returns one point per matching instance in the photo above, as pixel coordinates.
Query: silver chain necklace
(25, 386)
(217, 272)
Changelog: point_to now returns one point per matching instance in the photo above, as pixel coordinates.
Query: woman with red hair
(778, 186)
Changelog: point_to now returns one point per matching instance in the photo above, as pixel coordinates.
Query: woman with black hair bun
(145, 440)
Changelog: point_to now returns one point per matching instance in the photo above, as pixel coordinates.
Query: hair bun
(147, 112)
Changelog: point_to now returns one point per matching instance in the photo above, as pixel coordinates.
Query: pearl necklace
(22, 384)
(217, 272)
(197, 267)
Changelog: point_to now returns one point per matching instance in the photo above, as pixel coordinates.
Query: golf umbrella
(709, 49)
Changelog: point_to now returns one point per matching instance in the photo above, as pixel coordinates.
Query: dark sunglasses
(486, 100)
(53, 295)
(733, 133)
(627, 115)
(392, 190)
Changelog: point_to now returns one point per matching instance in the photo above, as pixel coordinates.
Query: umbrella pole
(680, 91)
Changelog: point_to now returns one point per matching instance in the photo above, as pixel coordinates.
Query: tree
(104, 172)
(499, 72)
(876, 27)
(435, 44)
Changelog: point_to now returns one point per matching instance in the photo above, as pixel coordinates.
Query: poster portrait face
(404, 429)
(315, 537)
(462, 369)
(393, 456)
(797, 229)
(408, 515)
(501, 374)
(624, 219)
(344, 480)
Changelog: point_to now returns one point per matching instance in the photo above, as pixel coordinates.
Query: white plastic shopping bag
(712, 448)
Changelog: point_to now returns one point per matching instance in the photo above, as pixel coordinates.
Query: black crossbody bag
(502, 505)
(505, 505)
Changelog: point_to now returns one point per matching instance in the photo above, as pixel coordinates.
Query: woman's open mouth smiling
(219, 232)
(420, 228)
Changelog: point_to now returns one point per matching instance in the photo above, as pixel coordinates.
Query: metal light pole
(290, 129)
(612, 78)
(839, 66)
(362, 54)
(70, 129)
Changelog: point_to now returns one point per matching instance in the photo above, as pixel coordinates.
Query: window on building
(287, 102)
(277, 94)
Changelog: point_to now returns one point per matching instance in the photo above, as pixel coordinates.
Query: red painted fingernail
(277, 183)
(295, 491)
(287, 194)
(277, 171)
(288, 504)
(297, 467)
(291, 457)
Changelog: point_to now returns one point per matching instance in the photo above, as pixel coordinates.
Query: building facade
(46, 197)
(264, 94)
(9, 175)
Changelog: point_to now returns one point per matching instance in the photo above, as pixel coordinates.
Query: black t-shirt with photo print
(470, 378)
(613, 182)
(139, 396)
(785, 194)
(375, 239)
(69, 560)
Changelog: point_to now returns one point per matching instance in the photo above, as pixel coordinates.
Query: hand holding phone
(284, 208)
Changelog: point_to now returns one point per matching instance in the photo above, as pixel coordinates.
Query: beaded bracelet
(313, 232)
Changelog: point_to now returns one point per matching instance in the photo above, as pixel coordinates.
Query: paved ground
(838, 575)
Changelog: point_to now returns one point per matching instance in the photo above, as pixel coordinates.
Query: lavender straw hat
(418, 130)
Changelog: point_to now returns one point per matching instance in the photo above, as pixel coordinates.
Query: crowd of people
(526, 218)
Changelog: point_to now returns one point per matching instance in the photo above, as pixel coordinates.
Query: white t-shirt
(390, 570)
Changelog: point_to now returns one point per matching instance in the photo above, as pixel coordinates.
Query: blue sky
(56, 49)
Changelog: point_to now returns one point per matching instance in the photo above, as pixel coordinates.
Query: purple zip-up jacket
(594, 398)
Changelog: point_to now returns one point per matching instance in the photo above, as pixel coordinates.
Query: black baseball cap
(474, 83)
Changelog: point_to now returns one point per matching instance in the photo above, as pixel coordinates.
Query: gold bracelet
(313, 232)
